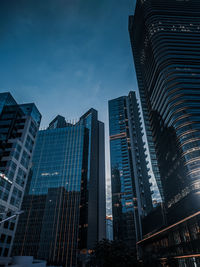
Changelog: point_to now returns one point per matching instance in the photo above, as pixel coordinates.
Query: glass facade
(18, 131)
(58, 224)
(109, 228)
(131, 196)
(165, 41)
(6, 99)
(58, 161)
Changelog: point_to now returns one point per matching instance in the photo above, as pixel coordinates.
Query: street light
(17, 213)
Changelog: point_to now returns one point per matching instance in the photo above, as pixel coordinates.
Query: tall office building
(165, 38)
(64, 204)
(109, 228)
(18, 128)
(131, 196)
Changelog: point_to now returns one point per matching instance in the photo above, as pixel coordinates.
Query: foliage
(112, 253)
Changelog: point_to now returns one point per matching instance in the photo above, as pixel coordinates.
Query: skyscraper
(109, 228)
(18, 128)
(64, 204)
(131, 196)
(166, 48)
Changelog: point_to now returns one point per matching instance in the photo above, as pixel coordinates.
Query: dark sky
(66, 55)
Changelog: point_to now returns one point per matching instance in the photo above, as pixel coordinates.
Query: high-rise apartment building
(64, 204)
(131, 196)
(18, 128)
(165, 37)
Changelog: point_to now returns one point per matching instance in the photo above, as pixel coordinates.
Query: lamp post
(17, 213)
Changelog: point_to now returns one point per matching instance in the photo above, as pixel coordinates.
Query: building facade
(64, 204)
(109, 228)
(18, 129)
(166, 48)
(131, 195)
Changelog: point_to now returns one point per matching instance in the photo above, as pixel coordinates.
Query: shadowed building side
(166, 48)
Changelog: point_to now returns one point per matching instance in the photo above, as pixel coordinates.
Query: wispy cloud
(66, 55)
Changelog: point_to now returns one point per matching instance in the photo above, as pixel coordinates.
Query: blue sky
(66, 55)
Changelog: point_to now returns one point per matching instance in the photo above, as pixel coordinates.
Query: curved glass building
(165, 38)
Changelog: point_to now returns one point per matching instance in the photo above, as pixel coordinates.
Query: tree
(112, 253)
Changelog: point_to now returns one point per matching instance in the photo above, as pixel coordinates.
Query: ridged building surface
(165, 38)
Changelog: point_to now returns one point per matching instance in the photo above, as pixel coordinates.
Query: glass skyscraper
(109, 228)
(64, 204)
(165, 37)
(18, 129)
(131, 195)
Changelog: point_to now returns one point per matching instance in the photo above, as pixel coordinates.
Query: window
(9, 238)
(195, 231)
(33, 129)
(3, 237)
(25, 159)
(16, 197)
(21, 176)
(12, 226)
(17, 151)
(29, 143)
(5, 254)
(6, 224)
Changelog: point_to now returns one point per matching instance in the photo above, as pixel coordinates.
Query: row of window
(5, 239)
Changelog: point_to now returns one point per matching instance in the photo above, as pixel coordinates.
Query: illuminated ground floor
(174, 245)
